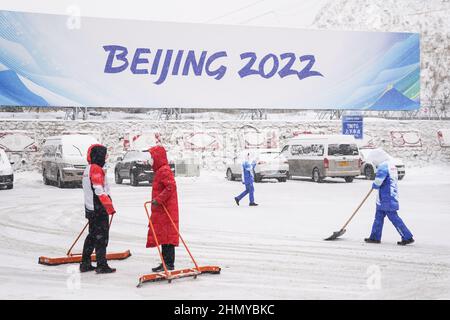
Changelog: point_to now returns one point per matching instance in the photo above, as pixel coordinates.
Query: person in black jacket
(98, 207)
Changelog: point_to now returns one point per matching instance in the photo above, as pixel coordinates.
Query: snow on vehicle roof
(337, 138)
(74, 138)
(261, 150)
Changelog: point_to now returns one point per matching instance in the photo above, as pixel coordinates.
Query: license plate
(343, 164)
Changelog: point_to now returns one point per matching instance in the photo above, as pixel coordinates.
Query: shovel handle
(182, 240)
(362, 202)
(156, 239)
(78, 238)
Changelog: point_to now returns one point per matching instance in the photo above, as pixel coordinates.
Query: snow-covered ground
(274, 251)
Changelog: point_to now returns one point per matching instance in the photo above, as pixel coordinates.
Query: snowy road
(274, 251)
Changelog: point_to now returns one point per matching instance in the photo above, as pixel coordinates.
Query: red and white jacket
(97, 198)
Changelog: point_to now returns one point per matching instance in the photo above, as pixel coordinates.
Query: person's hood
(97, 155)
(159, 157)
(249, 156)
(378, 156)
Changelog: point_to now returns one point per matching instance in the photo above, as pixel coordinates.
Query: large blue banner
(47, 61)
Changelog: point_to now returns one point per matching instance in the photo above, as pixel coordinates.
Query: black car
(136, 166)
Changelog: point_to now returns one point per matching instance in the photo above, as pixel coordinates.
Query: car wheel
(288, 176)
(59, 182)
(133, 180)
(316, 175)
(258, 178)
(281, 179)
(369, 173)
(117, 177)
(230, 175)
(9, 186)
(349, 179)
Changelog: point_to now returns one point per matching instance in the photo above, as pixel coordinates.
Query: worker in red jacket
(164, 192)
(98, 207)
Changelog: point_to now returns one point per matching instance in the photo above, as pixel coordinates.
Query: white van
(6, 171)
(64, 158)
(321, 156)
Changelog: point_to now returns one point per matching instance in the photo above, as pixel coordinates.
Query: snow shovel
(176, 274)
(339, 233)
(76, 257)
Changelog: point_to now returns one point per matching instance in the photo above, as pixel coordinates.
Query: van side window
(308, 150)
(49, 151)
(316, 150)
(296, 150)
(59, 151)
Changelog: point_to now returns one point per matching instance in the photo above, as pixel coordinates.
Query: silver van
(321, 156)
(64, 158)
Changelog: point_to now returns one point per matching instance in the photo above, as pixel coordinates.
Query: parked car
(270, 164)
(136, 166)
(321, 156)
(368, 169)
(6, 171)
(64, 159)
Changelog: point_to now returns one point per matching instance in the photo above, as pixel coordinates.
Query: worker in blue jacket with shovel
(248, 177)
(387, 199)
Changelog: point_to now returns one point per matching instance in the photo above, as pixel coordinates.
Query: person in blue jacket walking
(387, 199)
(248, 177)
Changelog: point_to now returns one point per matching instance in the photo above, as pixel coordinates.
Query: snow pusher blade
(76, 258)
(193, 272)
(336, 235)
(339, 233)
(176, 274)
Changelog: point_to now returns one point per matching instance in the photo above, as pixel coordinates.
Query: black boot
(160, 268)
(253, 204)
(86, 267)
(105, 269)
(168, 252)
(405, 242)
(370, 240)
(237, 201)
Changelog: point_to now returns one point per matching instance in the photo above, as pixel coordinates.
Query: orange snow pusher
(176, 274)
(76, 257)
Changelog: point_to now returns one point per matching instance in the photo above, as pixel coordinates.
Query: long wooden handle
(362, 202)
(76, 240)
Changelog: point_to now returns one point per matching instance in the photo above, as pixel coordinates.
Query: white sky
(288, 13)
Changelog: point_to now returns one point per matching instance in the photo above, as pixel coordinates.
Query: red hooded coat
(164, 191)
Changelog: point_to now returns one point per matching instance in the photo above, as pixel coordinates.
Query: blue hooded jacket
(386, 182)
(248, 172)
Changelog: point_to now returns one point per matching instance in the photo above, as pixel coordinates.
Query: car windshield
(138, 156)
(268, 155)
(76, 149)
(2, 157)
(343, 149)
